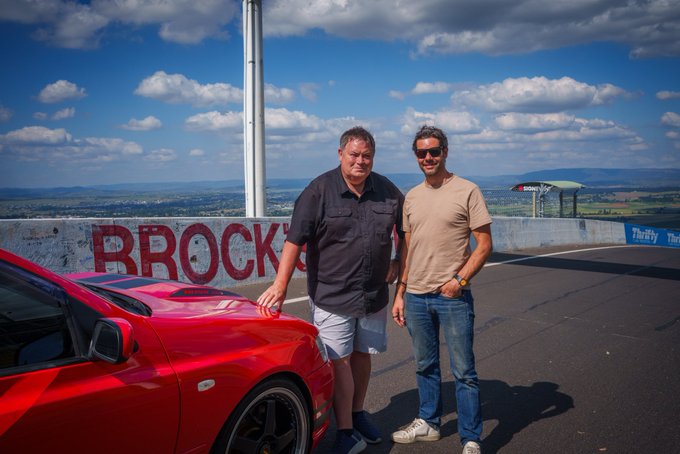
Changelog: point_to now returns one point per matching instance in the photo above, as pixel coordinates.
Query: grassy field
(654, 208)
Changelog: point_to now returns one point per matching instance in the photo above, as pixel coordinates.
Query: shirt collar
(342, 186)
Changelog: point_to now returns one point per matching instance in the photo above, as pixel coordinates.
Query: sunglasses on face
(434, 152)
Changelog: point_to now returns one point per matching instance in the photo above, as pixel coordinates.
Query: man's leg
(337, 333)
(423, 326)
(370, 338)
(457, 320)
(344, 392)
(361, 372)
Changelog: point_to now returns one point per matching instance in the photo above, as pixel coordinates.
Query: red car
(114, 363)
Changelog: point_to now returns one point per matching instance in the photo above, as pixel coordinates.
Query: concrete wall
(512, 233)
(227, 252)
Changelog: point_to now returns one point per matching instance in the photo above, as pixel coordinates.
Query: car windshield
(126, 302)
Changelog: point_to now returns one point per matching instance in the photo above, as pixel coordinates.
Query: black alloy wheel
(273, 418)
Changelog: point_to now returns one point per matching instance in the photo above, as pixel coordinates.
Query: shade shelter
(544, 187)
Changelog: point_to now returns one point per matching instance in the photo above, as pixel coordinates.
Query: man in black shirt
(346, 217)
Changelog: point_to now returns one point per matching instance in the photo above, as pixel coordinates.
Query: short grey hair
(360, 133)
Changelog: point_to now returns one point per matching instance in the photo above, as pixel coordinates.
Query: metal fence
(504, 202)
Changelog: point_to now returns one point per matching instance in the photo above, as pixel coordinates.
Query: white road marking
(554, 253)
(305, 298)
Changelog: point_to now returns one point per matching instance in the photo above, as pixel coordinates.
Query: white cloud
(665, 95)
(196, 152)
(40, 116)
(59, 91)
(161, 155)
(431, 87)
(215, 121)
(278, 95)
(111, 145)
(671, 119)
(493, 27)
(537, 95)
(450, 121)
(5, 113)
(282, 119)
(650, 28)
(58, 147)
(79, 25)
(36, 135)
(62, 114)
(534, 141)
(308, 91)
(277, 120)
(147, 124)
(177, 89)
(397, 95)
(533, 122)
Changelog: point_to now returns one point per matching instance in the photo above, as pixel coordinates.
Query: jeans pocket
(458, 297)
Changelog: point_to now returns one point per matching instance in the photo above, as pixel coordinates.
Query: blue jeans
(425, 314)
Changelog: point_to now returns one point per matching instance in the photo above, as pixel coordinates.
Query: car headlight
(322, 348)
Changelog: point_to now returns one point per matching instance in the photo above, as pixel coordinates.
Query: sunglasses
(434, 152)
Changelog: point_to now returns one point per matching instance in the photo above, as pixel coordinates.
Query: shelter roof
(537, 186)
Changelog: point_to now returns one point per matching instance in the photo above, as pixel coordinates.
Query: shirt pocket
(339, 224)
(384, 217)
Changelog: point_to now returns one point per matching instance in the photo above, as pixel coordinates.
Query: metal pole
(253, 109)
(574, 205)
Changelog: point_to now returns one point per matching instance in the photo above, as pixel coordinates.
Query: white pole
(253, 110)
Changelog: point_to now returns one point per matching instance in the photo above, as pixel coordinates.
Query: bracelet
(401, 283)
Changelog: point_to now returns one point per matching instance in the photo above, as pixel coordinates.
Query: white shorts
(344, 334)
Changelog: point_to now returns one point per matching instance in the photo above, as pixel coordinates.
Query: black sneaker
(348, 444)
(368, 431)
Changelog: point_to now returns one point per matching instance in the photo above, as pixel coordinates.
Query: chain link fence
(504, 202)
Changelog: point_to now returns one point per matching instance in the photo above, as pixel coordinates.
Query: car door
(54, 399)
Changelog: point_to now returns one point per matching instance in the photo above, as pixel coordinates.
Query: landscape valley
(639, 196)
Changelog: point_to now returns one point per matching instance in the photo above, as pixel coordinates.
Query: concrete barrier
(227, 252)
(512, 233)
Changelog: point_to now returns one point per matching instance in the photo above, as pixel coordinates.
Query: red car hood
(175, 299)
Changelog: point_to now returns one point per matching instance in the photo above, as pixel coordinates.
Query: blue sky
(105, 92)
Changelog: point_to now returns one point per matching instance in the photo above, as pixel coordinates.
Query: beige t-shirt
(440, 221)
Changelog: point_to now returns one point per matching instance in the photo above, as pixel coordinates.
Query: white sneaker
(472, 447)
(418, 430)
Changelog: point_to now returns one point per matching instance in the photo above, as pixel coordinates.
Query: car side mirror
(112, 340)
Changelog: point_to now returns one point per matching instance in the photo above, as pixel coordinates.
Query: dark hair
(426, 132)
(360, 133)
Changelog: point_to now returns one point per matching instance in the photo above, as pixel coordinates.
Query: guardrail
(227, 252)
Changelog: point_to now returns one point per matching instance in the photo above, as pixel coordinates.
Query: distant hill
(609, 177)
(591, 177)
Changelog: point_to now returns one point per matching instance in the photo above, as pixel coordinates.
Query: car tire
(272, 418)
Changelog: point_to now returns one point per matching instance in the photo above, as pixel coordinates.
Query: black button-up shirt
(348, 241)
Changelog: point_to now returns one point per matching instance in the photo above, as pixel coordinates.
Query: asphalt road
(577, 352)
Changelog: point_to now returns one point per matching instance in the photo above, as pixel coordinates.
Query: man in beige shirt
(434, 289)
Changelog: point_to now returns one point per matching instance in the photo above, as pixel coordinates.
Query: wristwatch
(461, 280)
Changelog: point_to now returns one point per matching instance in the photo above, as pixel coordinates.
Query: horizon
(239, 183)
(101, 93)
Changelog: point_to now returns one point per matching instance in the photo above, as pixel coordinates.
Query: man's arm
(276, 293)
(475, 263)
(395, 263)
(398, 305)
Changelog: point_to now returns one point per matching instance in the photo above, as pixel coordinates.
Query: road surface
(578, 351)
